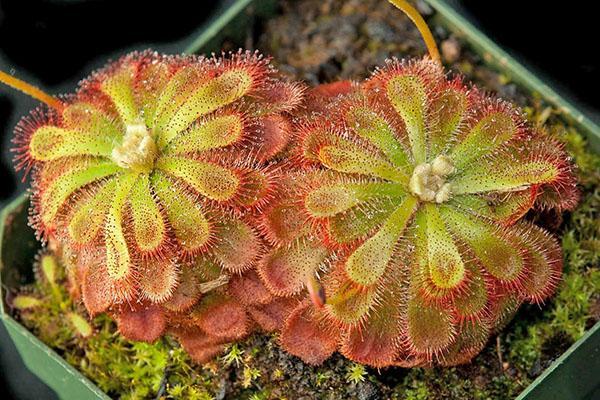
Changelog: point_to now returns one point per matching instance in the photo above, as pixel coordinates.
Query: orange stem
(30, 90)
(421, 25)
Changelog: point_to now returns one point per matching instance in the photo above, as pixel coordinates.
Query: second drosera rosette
(408, 200)
(144, 180)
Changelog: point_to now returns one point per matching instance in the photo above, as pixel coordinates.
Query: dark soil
(321, 41)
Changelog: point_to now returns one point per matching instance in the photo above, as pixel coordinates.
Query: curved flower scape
(408, 199)
(146, 177)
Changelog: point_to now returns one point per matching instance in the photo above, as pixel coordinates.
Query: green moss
(415, 389)
(121, 368)
(356, 373)
(233, 356)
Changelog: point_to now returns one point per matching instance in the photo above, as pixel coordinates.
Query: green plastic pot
(573, 376)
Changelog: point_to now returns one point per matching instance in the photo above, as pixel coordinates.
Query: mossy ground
(320, 41)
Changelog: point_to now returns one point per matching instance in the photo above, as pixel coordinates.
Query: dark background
(558, 40)
(53, 43)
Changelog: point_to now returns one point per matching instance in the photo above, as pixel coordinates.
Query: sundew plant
(145, 182)
(208, 198)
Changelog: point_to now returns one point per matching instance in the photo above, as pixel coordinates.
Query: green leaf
(88, 219)
(329, 200)
(487, 135)
(503, 207)
(408, 95)
(50, 269)
(152, 80)
(490, 244)
(22, 302)
(209, 179)
(212, 133)
(446, 267)
(504, 176)
(448, 112)
(119, 87)
(369, 125)
(357, 161)
(348, 301)
(118, 258)
(81, 326)
(191, 227)
(217, 92)
(91, 120)
(173, 95)
(51, 142)
(369, 261)
(149, 228)
(358, 221)
(63, 186)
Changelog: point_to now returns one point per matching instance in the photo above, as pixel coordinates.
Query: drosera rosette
(147, 177)
(408, 201)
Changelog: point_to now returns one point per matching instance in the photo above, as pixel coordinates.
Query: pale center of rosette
(138, 150)
(428, 180)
